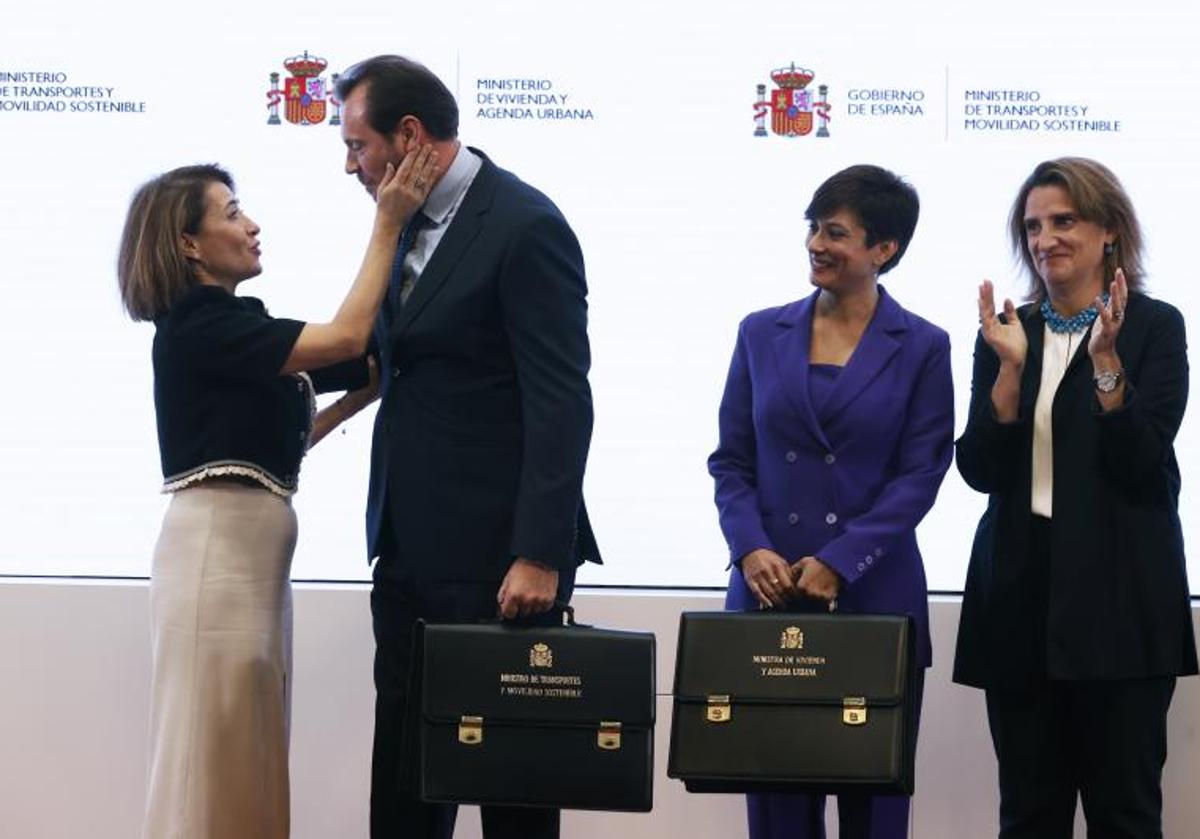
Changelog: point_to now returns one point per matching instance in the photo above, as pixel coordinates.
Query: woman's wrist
(1106, 362)
(387, 226)
(1006, 394)
(1012, 368)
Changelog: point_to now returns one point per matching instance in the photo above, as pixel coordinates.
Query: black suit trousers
(398, 600)
(1104, 742)
(1100, 741)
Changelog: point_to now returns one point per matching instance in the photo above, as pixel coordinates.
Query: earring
(1109, 248)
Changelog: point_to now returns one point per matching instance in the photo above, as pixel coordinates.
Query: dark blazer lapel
(875, 349)
(791, 346)
(1081, 352)
(1031, 382)
(455, 242)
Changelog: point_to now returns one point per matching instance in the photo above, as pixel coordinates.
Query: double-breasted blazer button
(831, 518)
(790, 457)
(793, 518)
(395, 372)
(829, 458)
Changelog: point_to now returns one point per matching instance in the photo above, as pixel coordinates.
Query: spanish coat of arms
(792, 106)
(305, 94)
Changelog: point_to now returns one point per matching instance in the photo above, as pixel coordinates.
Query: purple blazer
(849, 482)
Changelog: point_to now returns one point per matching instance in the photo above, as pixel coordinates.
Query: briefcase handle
(833, 607)
(568, 615)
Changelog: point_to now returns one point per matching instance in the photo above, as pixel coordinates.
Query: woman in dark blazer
(836, 429)
(1075, 618)
(235, 413)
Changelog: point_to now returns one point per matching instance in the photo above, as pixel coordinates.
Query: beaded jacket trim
(311, 392)
(223, 469)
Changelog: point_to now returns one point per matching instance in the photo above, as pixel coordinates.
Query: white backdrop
(688, 220)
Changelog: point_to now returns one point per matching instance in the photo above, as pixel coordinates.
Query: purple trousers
(783, 816)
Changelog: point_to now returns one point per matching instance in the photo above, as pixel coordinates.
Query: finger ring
(1118, 314)
(419, 184)
(774, 581)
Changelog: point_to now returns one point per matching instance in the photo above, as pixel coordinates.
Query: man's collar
(449, 190)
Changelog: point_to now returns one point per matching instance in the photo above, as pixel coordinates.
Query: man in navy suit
(475, 504)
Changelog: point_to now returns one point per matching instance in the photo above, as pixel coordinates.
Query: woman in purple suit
(836, 429)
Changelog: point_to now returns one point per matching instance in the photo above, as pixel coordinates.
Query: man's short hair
(398, 87)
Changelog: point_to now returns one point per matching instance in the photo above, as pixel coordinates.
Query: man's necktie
(397, 288)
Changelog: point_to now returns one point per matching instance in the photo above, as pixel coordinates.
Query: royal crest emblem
(305, 94)
(792, 106)
(541, 655)
(791, 639)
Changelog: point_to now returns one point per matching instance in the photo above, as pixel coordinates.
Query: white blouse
(1058, 348)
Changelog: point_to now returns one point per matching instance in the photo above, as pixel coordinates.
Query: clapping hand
(1007, 337)
(1103, 343)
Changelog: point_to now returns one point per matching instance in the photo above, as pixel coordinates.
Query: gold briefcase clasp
(609, 735)
(854, 710)
(719, 709)
(470, 731)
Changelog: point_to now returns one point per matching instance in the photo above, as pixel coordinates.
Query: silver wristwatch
(1107, 381)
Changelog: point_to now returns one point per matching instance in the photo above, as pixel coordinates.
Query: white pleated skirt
(221, 625)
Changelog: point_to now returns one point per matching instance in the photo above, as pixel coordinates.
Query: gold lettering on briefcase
(794, 665)
(854, 710)
(800, 666)
(791, 639)
(541, 686)
(541, 655)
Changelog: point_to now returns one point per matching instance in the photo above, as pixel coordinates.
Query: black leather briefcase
(794, 702)
(546, 717)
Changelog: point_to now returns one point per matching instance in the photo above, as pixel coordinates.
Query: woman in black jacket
(235, 413)
(1076, 618)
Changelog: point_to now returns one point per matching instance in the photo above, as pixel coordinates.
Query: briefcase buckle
(609, 735)
(854, 710)
(470, 731)
(719, 709)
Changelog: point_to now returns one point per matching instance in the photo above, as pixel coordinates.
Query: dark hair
(398, 87)
(1098, 197)
(152, 272)
(886, 206)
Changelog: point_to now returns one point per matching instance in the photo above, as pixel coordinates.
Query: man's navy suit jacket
(482, 433)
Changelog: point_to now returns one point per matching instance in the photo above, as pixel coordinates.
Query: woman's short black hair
(887, 207)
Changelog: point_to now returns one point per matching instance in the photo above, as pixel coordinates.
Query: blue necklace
(1078, 322)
